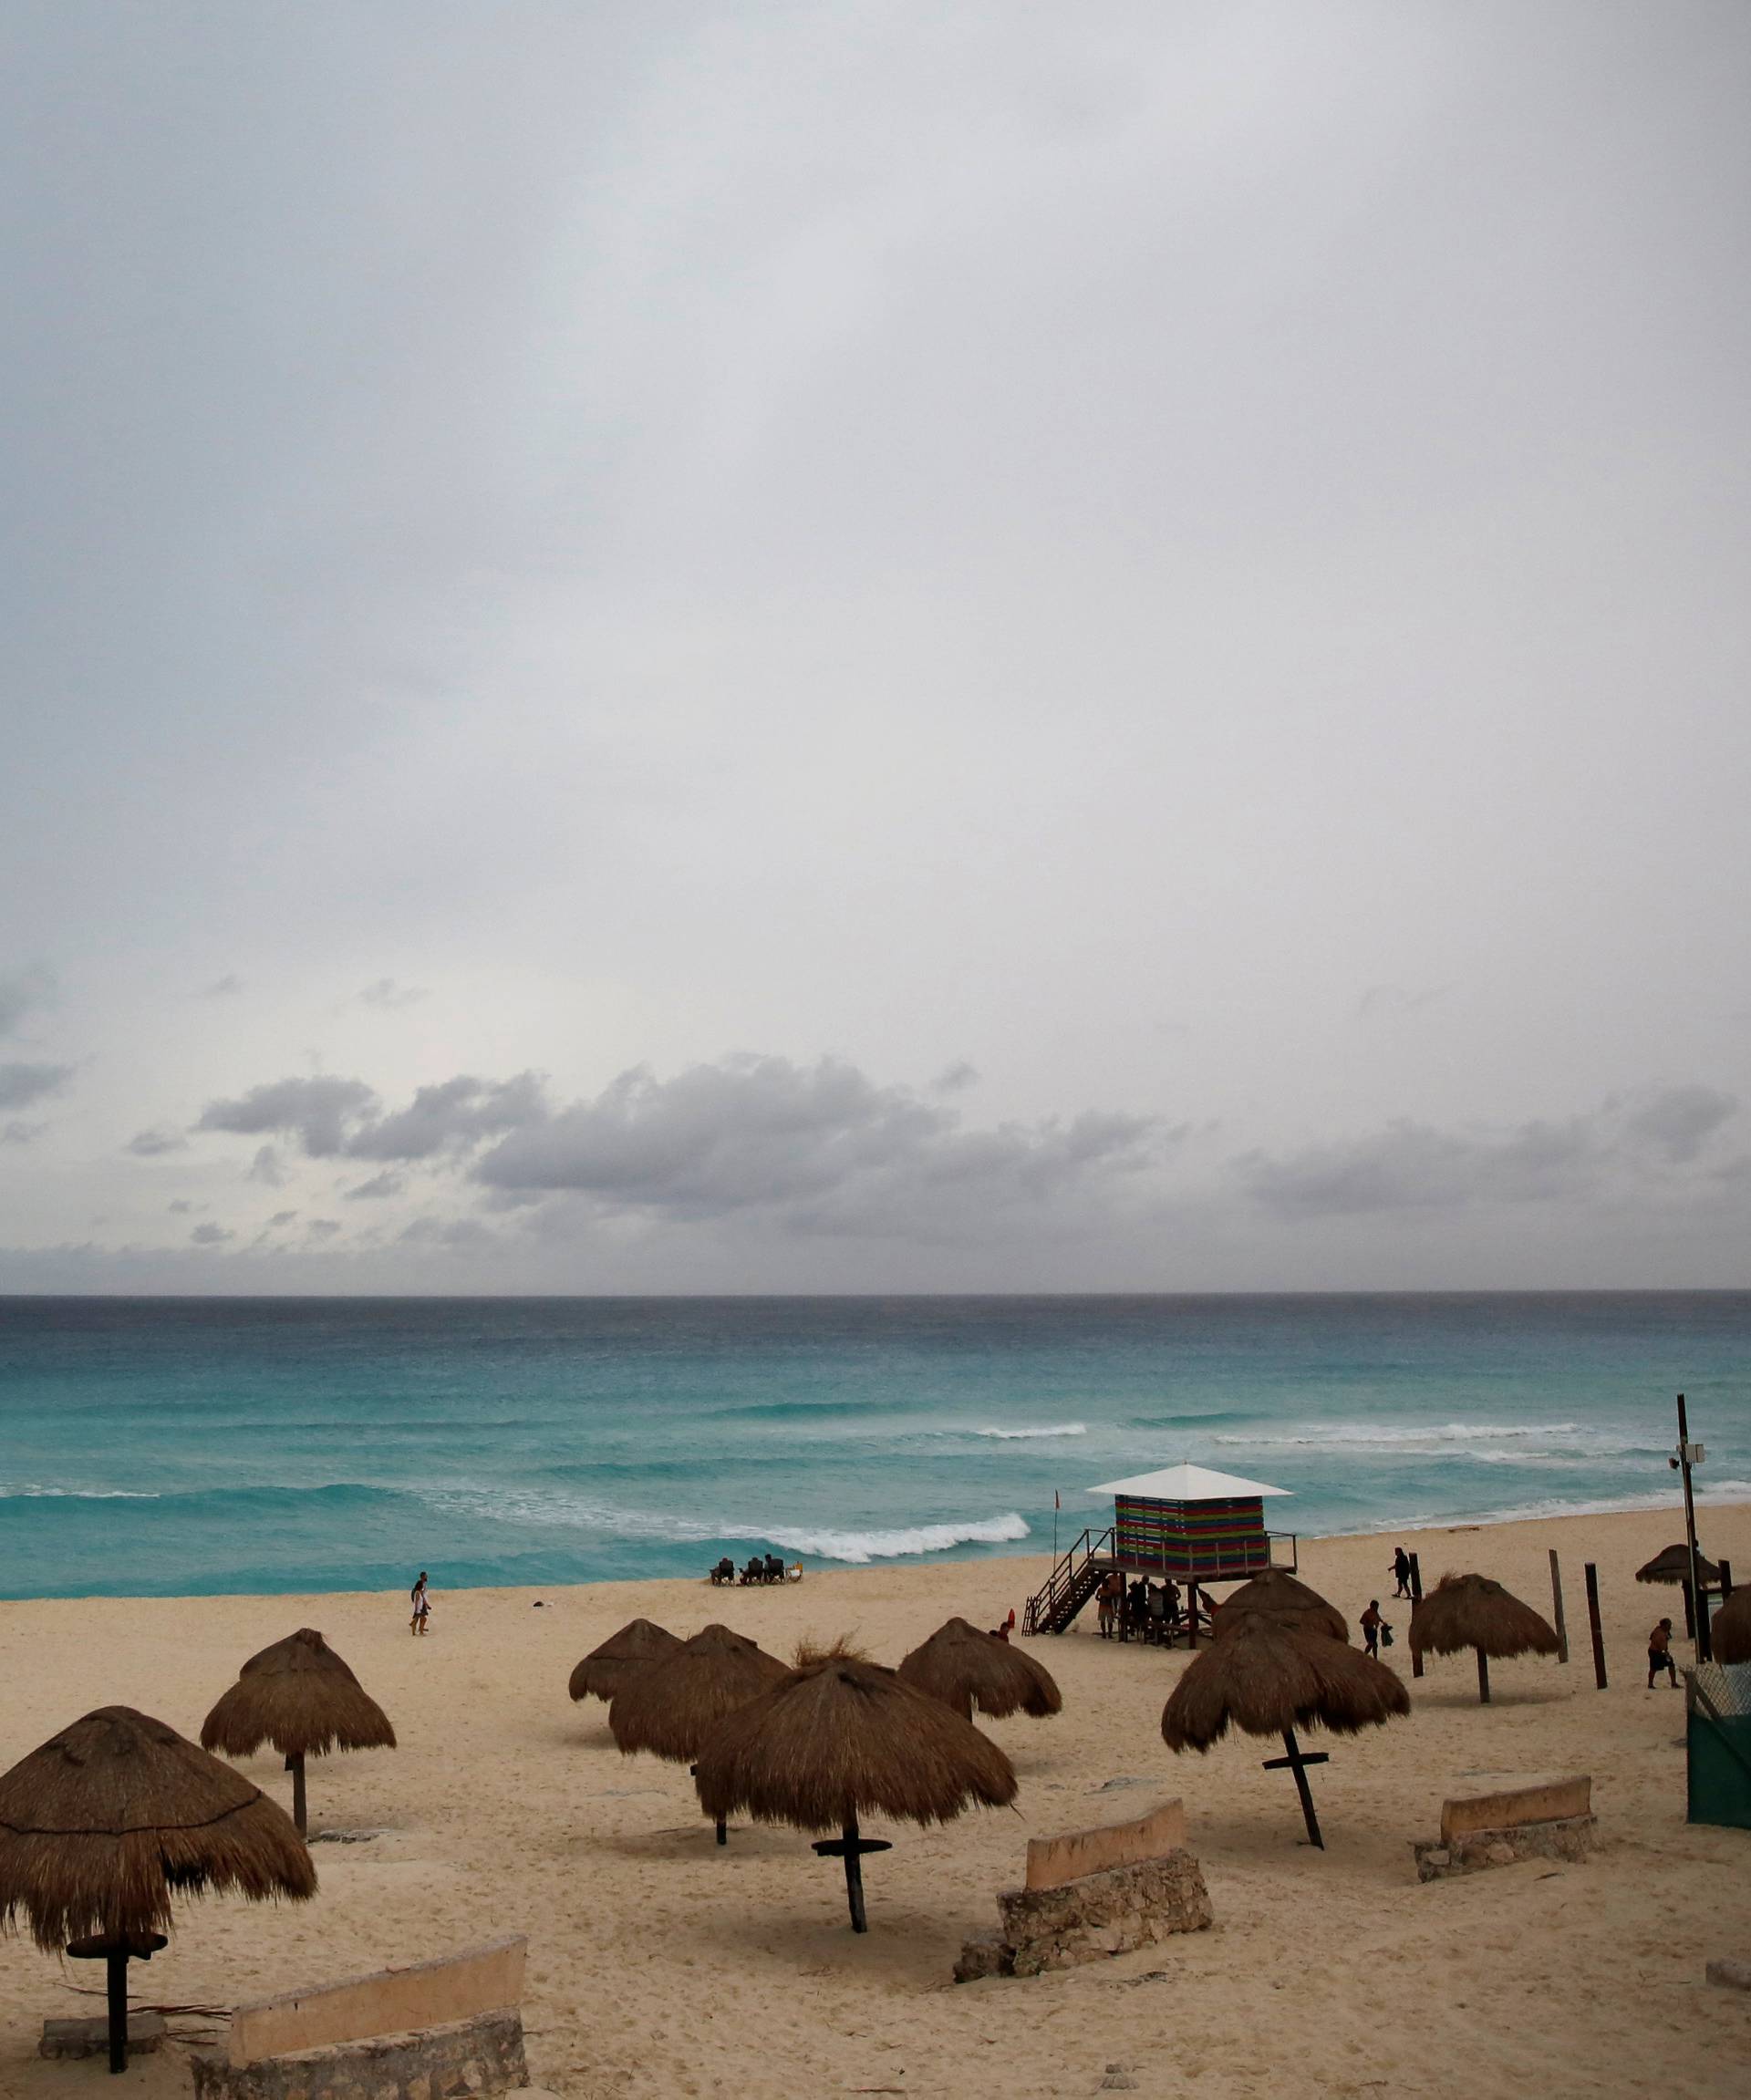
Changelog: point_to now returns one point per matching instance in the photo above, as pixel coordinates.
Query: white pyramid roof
(1186, 1484)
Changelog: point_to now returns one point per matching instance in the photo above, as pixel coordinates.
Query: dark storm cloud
(20, 990)
(388, 1183)
(20, 1084)
(153, 1144)
(454, 1115)
(764, 1134)
(314, 1111)
(1413, 1166)
(387, 992)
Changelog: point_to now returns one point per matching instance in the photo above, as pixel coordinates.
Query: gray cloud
(20, 1084)
(224, 988)
(956, 1078)
(821, 1142)
(452, 1116)
(387, 992)
(322, 1228)
(267, 1167)
(388, 1183)
(153, 1144)
(314, 1111)
(280, 1218)
(211, 1235)
(1413, 1166)
(180, 1206)
(18, 1132)
(20, 990)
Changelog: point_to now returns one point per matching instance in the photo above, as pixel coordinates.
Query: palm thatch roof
(843, 1737)
(676, 1707)
(1472, 1611)
(1264, 1678)
(602, 1671)
(965, 1667)
(1274, 1593)
(109, 1819)
(1729, 1630)
(1671, 1564)
(302, 1698)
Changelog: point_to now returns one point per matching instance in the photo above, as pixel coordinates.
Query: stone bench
(1509, 1818)
(426, 2032)
(1092, 1894)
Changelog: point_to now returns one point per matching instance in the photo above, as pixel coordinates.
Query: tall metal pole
(1704, 1647)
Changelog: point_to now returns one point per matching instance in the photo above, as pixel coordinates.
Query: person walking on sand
(1401, 1572)
(1107, 1598)
(421, 1603)
(1371, 1625)
(1660, 1654)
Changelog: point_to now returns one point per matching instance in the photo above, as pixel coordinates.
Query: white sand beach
(661, 1965)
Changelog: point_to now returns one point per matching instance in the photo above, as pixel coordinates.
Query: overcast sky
(875, 646)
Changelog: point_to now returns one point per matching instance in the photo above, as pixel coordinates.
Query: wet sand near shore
(659, 1965)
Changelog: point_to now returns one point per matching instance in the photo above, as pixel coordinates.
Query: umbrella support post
(723, 1830)
(1298, 1762)
(851, 1849)
(115, 1951)
(1483, 1679)
(294, 1765)
(117, 1965)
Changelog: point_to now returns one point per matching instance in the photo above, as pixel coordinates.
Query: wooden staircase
(1071, 1584)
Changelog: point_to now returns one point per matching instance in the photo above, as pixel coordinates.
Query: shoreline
(1591, 1513)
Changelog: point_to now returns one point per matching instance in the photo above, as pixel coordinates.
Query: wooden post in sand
(1417, 1599)
(1593, 1620)
(1726, 1581)
(1555, 1600)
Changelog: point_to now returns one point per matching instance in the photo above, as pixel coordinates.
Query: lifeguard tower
(1184, 1523)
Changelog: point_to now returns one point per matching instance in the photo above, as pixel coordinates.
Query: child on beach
(421, 1604)
(1660, 1654)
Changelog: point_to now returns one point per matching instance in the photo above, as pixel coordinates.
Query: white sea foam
(28, 1491)
(1723, 1491)
(1482, 1443)
(1028, 1436)
(559, 1508)
(863, 1546)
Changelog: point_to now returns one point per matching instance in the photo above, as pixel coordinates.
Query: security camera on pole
(1687, 1455)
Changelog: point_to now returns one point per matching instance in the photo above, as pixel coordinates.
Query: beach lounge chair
(725, 1571)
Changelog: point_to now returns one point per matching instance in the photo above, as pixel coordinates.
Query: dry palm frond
(620, 1657)
(966, 1668)
(302, 1698)
(676, 1706)
(1473, 1611)
(108, 1820)
(1273, 1593)
(1264, 1678)
(842, 1738)
(1671, 1564)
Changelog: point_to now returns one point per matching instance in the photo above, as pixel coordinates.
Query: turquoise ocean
(185, 1446)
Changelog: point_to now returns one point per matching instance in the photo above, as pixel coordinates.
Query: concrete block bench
(1509, 1817)
(435, 2028)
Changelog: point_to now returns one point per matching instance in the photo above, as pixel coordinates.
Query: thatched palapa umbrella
(100, 1827)
(1472, 1611)
(1273, 1593)
(302, 1698)
(1269, 1679)
(842, 1738)
(965, 1667)
(620, 1657)
(676, 1707)
(1671, 1564)
(1730, 1632)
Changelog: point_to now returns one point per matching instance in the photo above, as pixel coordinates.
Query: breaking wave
(1029, 1435)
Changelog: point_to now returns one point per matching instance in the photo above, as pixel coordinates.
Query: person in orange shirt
(1660, 1654)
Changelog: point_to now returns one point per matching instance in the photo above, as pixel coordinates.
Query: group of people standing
(1146, 1609)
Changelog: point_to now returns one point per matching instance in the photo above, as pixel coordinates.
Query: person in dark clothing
(1660, 1654)
(1371, 1623)
(1401, 1572)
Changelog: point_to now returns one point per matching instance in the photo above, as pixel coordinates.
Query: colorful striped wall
(1214, 1541)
